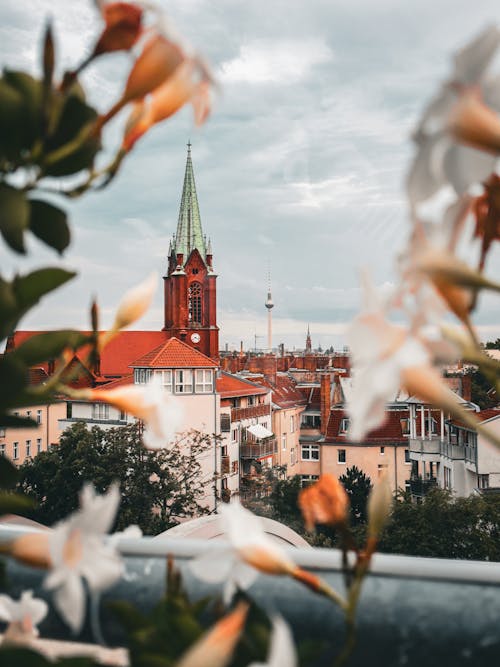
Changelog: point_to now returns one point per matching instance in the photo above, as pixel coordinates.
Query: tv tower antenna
(269, 305)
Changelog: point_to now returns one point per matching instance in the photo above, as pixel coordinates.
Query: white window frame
(38, 445)
(100, 411)
(307, 451)
(2, 449)
(344, 462)
(293, 458)
(292, 424)
(15, 450)
(382, 450)
(204, 381)
(28, 448)
(38, 416)
(344, 425)
(407, 457)
(142, 375)
(306, 480)
(165, 377)
(184, 381)
(283, 441)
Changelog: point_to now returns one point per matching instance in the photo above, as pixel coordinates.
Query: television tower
(269, 305)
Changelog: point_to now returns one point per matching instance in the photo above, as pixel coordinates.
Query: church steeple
(308, 342)
(189, 235)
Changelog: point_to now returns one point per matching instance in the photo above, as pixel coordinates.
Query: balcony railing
(421, 487)
(258, 449)
(237, 414)
(423, 446)
(451, 451)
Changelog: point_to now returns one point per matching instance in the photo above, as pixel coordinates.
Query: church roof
(189, 233)
(174, 354)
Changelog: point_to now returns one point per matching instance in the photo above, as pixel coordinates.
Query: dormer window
(344, 425)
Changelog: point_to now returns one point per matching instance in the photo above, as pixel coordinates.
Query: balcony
(421, 487)
(452, 451)
(237, 414)
(258, 449)
(422, 449)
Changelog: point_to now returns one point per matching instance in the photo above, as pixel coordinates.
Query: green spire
(189, 233)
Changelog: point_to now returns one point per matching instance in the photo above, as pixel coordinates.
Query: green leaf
(49, 345)
(31, 92)
(72, 147)
(14, 216)
(29, 289)
(12, 122)
(13, 503)
(49, 224)
(8, 473)
(13, 378)
(13, 421)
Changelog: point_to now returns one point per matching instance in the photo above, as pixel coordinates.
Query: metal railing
(258, 450)
(237, 414)
(421, 487)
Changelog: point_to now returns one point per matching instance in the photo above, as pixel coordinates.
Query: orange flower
(324, 502)
(216, 647)
(474, 123)
(159, 59)
(486, 209)
(123, 27)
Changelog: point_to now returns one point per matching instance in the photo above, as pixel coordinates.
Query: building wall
(286, 427)
(40, 438)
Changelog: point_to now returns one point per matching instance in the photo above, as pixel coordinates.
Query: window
(310, 421)
(447, 477)
(293, 460)
(100, 411)
(165, 378)
(194, 303)
(382, 468)
(225, 423)
(184, 382)
(405, 426)
(2, 449)
(341, 456)
(69, 410)
(223, 450)
(407, 456)
(234, 467)
(15, 450)
(38, 445)
(28, 414)
(204, 381)
(234, 435)
(123, 416)
(283, 441)
(142, 375)
(382, 451)
(306, 480)
(28, 448)
(38, 416)
(292, 424)
(2, 433)
(344, 425)
(430, 426)
(309, 452)
(483, 481)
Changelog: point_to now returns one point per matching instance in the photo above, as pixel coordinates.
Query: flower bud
(325, 502)
(379, 507)
(135, 303)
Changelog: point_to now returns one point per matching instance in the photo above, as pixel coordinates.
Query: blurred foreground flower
(250, 546)
(159, 410)
(135, 302)
(282, 651)
(486, 209)
(216, 647)
(458, 136)
(325, 502)
(23, 615)
(378, 510)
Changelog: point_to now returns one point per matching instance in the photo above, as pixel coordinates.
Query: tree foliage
(158, 488)
(445, 527)
(358, 487)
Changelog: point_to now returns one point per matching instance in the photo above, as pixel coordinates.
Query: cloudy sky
(301, 166)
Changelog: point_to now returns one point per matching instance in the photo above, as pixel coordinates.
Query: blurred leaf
(13, 123)
(49, 345)
(31, 92)
(72, 146)
(130, 618)
(49, 224)
(14, 216)
(13, 378)
(8, 473)
(13, 421)
(8, 307)
(48, 57)
(30, 288)
(13, 503)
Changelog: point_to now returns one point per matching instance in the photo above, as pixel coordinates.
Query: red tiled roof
(230, 386)
(285, 391)
(37, 376)
(390, 431)
(116, 356)
(121, 382)
(312, 395)
(488, 413)
(174, 354)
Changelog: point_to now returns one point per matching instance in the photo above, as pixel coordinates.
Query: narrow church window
(194, 303)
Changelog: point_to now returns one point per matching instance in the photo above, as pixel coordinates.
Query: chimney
(467, 387)
(325, 390)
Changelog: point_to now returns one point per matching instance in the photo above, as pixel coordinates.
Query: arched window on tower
(194, 303)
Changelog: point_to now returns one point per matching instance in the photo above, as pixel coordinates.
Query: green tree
(445, 527)
(158, 488)
(493, 345)
(358, 487)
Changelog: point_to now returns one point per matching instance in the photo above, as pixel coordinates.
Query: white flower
(250, 550)
(135, 303)
(78, 551)
(25, 614)
(160, 411)
(282, 651)
(457, 126)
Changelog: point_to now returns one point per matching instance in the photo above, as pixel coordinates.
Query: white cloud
(275, 62)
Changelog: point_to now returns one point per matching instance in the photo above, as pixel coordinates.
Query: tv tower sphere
(269, 301)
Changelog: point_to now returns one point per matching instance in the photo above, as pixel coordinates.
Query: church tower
(190, 289)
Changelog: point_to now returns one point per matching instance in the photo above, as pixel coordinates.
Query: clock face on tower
(195, 337)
